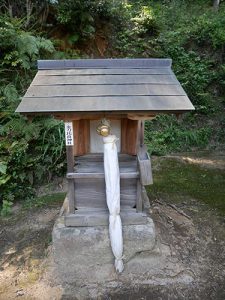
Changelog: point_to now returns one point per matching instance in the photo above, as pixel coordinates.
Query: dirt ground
(193, 233)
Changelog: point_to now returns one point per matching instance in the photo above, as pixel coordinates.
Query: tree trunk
(216, 4)
(29, 8)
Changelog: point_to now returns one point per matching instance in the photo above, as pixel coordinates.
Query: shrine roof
(105, 85)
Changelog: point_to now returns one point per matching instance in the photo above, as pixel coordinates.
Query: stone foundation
(83, 254)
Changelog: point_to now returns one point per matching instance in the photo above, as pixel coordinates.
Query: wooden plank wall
(91, 192)
(129, 134)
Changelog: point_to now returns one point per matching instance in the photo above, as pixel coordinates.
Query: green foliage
(138, 38)
(32, 12)
(193, 36)
(145, 22)
(208, 29)
(195, 74)
(6, 208)
(80, 18)
(77, 16)
(19, 48)
(166, 134)
(29, 151)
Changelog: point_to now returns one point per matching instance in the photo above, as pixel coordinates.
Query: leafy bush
(81, 18)
(6, 208)
(166, 134)
(19, 48)
(138, 37)
(33, 13)
(77, 16)
(195, 74)
(28, 150)
(145, 23)
(208, 29)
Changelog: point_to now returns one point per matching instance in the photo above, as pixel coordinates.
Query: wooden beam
(142, 117)
(98, 116)
(88, 116)
(126, 175)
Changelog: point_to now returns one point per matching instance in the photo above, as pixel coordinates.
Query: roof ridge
(109, 63)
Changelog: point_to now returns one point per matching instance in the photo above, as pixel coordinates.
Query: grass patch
(175, 180)
(46, 200)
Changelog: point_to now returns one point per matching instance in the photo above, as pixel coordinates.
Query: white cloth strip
(112, 180)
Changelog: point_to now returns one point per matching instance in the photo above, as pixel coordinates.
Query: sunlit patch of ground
(203, 159)
(25, 242)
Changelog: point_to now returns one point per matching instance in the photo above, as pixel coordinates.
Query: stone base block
(83, 254)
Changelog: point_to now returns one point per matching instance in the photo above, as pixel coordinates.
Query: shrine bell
(101, 96)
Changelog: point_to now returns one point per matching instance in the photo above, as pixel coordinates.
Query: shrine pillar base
(83, 255)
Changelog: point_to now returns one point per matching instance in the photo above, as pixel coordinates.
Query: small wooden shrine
(126, 92)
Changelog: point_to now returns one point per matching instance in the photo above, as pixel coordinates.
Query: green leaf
(4, 179)
(3, 167)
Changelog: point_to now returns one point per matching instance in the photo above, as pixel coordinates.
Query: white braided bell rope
(112, 180)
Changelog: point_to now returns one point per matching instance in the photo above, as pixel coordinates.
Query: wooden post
(142, 129)
(216, 4)
(70, 166)
(144, 165)
(140, 141)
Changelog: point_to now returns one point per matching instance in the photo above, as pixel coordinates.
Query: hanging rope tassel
(119, 265)
(116, 238)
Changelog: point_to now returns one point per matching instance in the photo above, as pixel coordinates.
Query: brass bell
(103, 128)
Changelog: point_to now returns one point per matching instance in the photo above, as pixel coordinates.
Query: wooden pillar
(145, 170)
(70, 166)
(142, 132)
(139, 143)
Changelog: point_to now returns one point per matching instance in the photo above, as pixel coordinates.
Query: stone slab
(83, 254)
